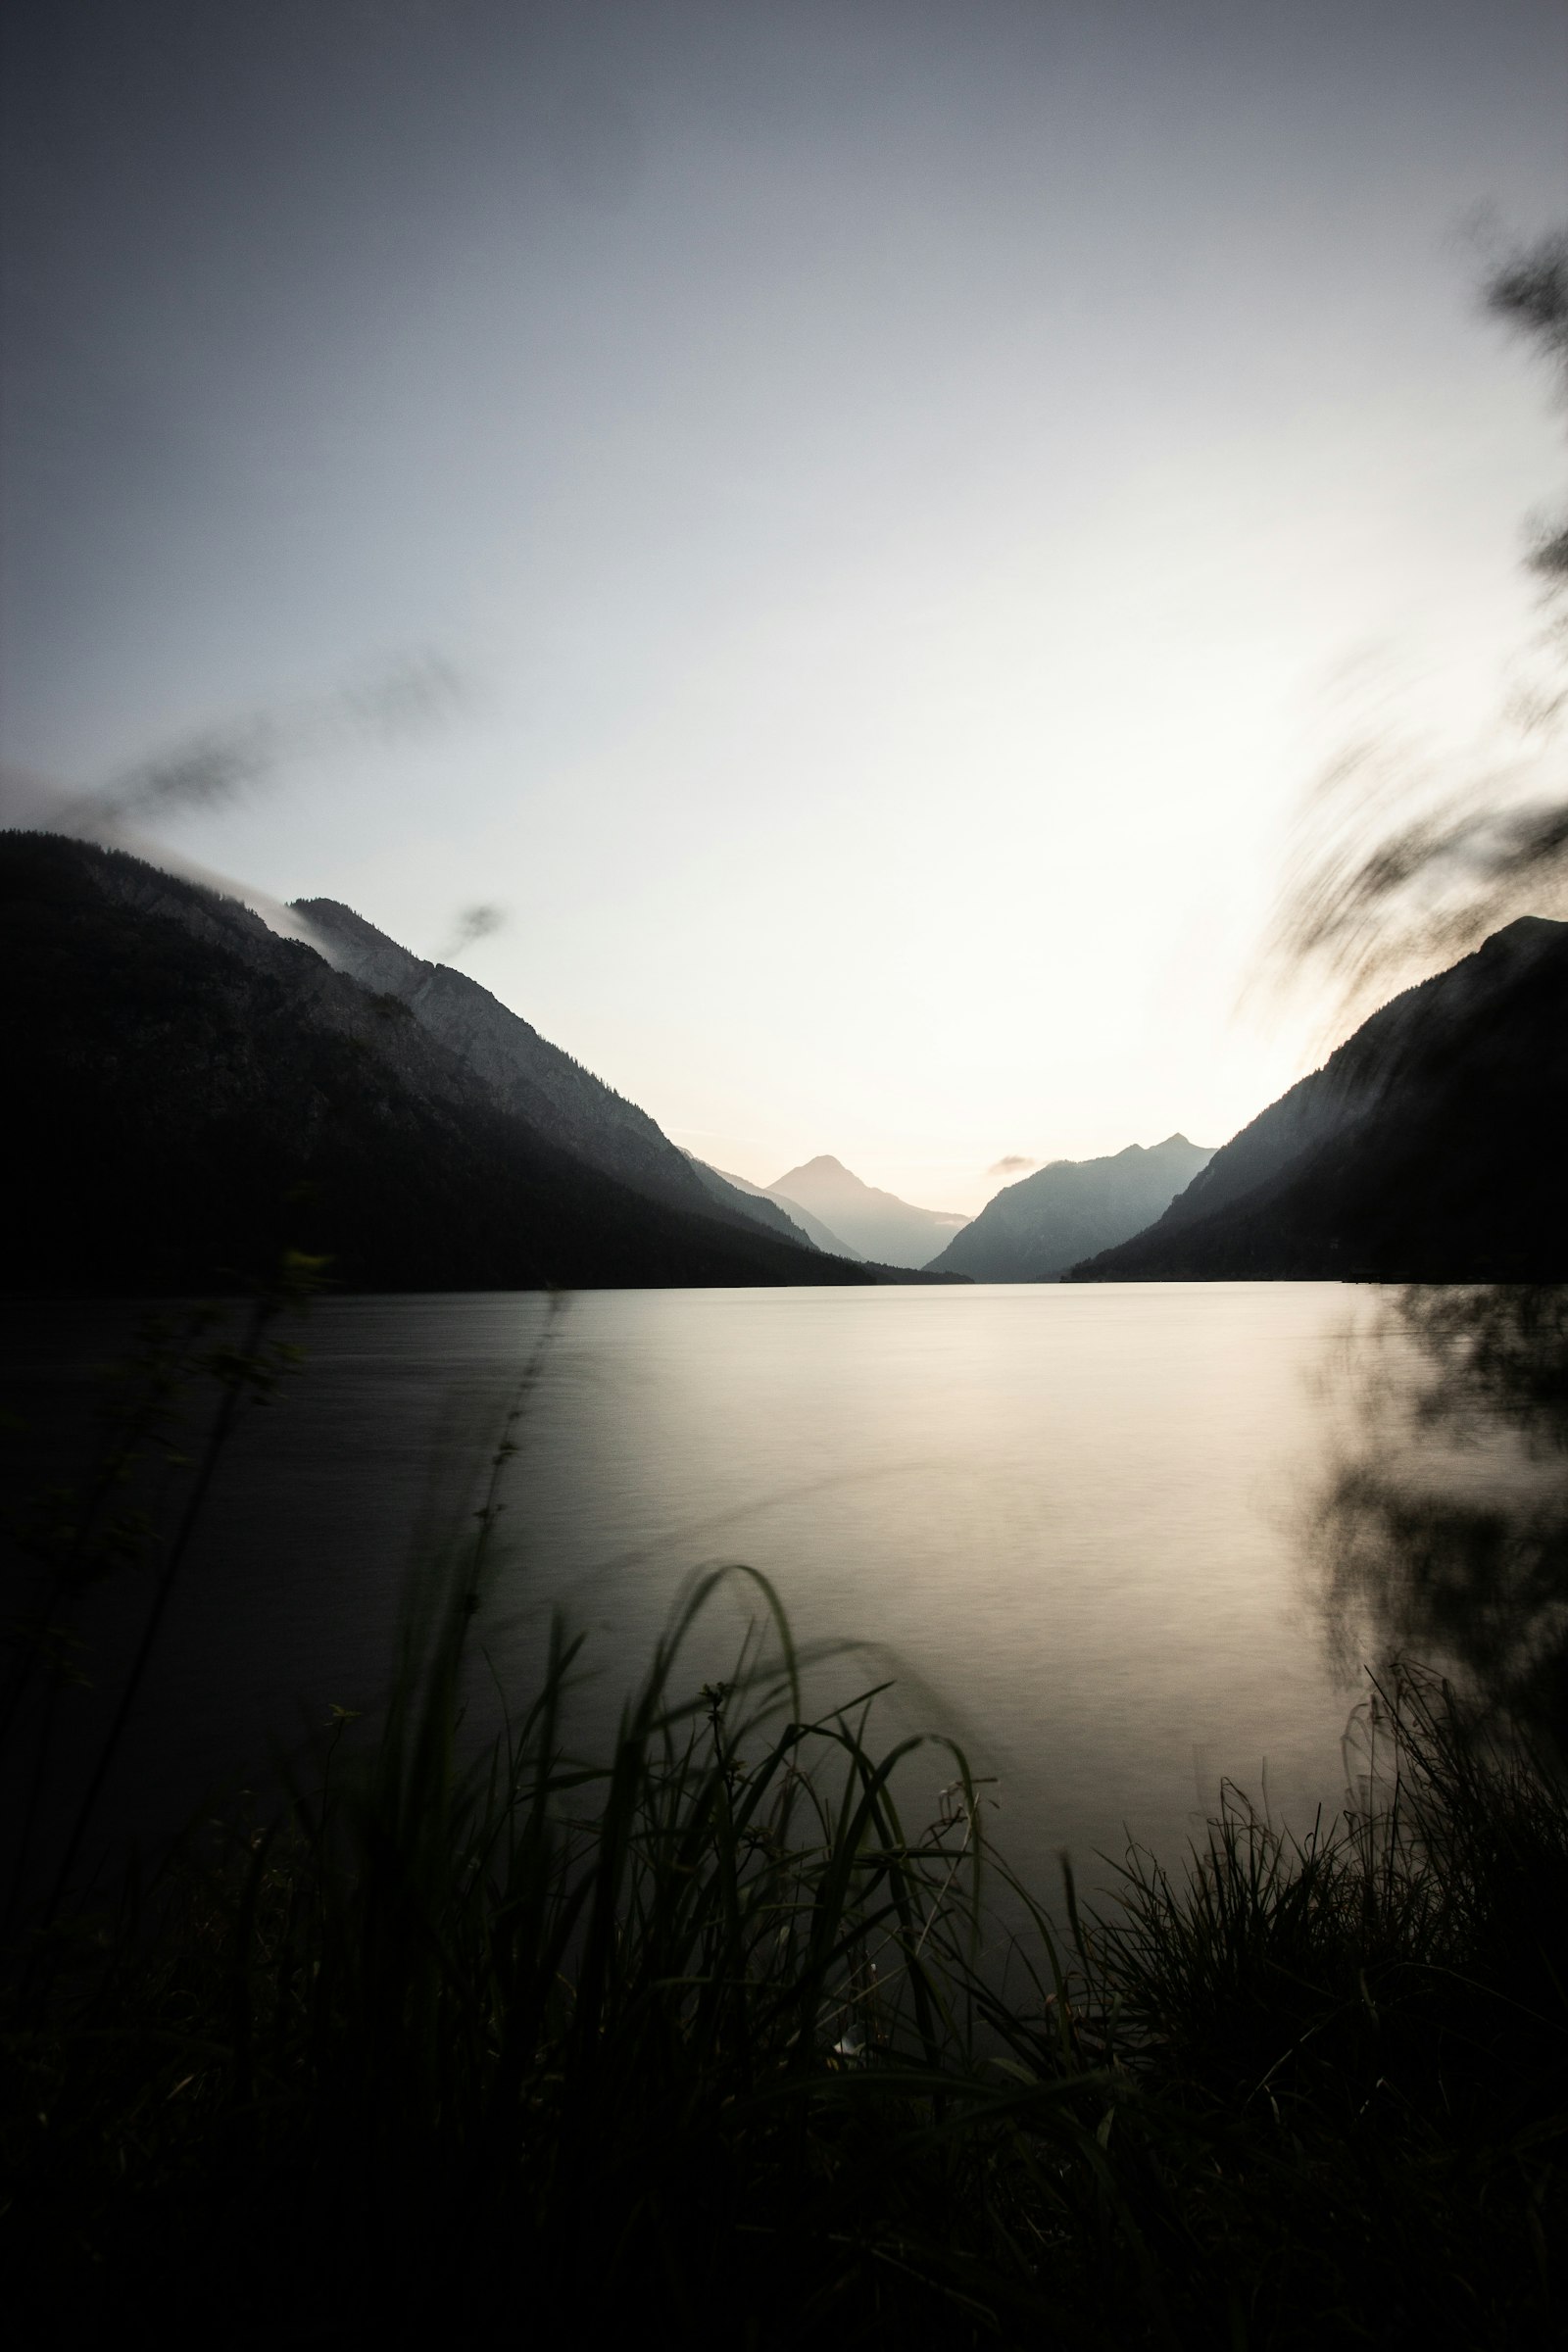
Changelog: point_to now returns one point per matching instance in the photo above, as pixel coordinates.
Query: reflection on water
(1061, 1517)
(1441, 1533)
(1051, 1513)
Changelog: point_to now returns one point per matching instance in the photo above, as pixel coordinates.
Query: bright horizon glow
(916, 497)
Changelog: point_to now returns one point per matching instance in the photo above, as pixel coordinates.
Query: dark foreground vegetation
(712, 2038)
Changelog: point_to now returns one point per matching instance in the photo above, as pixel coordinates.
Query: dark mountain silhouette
(1034, 1230)
(1430, 1148)
(188, 1093)
(879, 1225)
(524, 1073)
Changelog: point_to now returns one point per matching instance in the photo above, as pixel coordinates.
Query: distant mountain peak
(346, 918)
(824, 1169)
(877, 1224)
(1034, 1230)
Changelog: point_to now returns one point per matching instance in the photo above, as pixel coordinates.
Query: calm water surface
(1069, 1521)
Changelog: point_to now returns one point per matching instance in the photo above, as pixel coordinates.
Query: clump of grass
(708, 2038)
(697, 2029)
(1449, 1880)
(1363, 2035)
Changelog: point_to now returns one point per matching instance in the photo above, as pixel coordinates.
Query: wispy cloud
(471, 925)
(1012, 1163)
(219, 765)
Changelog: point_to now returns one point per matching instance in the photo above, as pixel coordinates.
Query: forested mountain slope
(524, 1073)
(1430, 1148)
(188, 1093)
(737, 1198)
(1034, 1230)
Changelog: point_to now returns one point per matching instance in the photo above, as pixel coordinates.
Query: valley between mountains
(191, 1092)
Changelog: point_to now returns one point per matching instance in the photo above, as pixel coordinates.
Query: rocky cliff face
(1034, 1230)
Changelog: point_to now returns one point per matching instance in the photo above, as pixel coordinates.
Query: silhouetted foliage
(1468, 1570)
(699, 2040)
(1379, 892)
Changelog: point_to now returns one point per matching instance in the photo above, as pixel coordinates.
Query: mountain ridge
(1430, 1145)
(736, 1196)
(533, 1078)
(878, 1224)
(192, 1093)
(1035, 1229)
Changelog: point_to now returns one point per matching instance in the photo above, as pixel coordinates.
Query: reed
(1362, 2036)
(711, 2036)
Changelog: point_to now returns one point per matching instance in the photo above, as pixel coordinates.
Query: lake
(1081, 1528)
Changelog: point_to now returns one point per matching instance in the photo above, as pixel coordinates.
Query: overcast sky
(913, 495)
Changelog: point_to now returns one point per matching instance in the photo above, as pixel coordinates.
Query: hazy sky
(914, 494)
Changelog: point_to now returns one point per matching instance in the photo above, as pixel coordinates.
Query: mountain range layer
(188, 1094)
(1035, 1229)
(776, 1212)
(734, 1195)
(876, 1225)
(1430, 1148)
